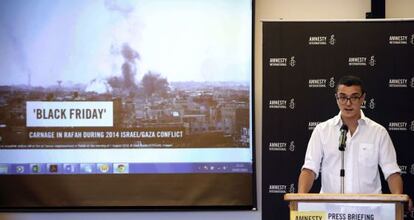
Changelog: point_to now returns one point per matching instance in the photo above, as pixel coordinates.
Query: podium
(349, 206)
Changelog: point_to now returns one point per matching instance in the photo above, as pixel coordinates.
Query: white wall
(399, 9)
(269, 10)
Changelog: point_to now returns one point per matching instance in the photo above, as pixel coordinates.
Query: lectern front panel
(352, 210)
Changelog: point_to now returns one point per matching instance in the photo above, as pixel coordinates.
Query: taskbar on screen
(122, 168)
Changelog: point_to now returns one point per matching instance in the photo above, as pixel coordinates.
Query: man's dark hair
(350, 80)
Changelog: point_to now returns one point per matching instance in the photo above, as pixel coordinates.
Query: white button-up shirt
(368, 147)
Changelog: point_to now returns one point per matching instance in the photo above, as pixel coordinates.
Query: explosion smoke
(127, 81)
(129, 71)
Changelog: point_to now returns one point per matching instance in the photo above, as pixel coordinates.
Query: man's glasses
(344, 99)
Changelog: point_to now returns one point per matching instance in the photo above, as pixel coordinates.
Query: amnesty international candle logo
(332, 82)
(372, 61)
(332, 40)
(412, 126)
(292, 104)
(412, 82)
(412, 169)
(412, 39)
(292, 146)
(292, 188)
(371, 104)
(292, 61)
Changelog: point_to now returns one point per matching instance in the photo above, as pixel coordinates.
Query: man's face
(349, 100)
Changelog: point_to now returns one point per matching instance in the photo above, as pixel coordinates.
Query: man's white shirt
(368, 147)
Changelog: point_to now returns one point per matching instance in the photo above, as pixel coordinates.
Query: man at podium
(366, 144)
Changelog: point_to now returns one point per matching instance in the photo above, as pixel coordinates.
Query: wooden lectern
(350, 206)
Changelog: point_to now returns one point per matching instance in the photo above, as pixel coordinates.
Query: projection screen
(126, 104)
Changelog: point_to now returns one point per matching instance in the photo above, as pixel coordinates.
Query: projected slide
(128, 86)
(119, 74)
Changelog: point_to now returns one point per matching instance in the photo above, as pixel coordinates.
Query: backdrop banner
(302, 62)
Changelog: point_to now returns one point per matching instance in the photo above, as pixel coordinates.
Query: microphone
(342, 145)
(342, 137)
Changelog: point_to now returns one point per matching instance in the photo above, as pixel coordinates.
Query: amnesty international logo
(282, 61)
(412, 82)
(281, 146)
(322, 40)
(281, 189)
(282, 104)
(362, 61)
(321, 82)
(412, 39)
